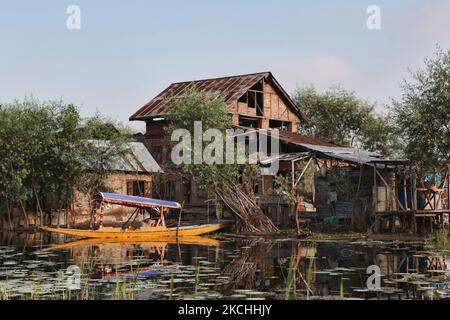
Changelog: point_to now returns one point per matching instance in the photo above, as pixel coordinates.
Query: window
(243, 99)
(249, 122)
(254, 98)
(138, 188)
(280, 125)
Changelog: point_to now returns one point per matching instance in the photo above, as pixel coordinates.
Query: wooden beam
(293, 173)
(390, 190)
(375, 199)
(303, 172)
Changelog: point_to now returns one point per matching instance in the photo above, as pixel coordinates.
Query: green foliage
(439, 239)
(103, 142)
(290, 281)
(197, 105)
(282, 187)
(341, 117)
(331, 221)
(422, 115)
(46, 150)
(212, 111)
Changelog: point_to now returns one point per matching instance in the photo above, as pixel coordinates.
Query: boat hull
(143, 233)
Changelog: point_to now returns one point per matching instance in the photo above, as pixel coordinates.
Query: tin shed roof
(232, 88)
(138, 160)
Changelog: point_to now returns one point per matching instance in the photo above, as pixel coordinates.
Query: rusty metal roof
(297, 138)
(232, 88)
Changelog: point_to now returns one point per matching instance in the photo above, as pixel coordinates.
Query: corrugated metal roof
(232, 88)
(143, 158)
(331, 150)
(284, 157)
(139, 160)
(324, 147)
(343, 153)
(297, 138)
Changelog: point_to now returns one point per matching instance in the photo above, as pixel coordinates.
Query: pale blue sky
(128, 51)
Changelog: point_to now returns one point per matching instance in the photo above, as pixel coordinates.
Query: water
(233, 268)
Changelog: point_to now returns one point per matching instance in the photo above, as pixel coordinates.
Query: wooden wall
(274, 109)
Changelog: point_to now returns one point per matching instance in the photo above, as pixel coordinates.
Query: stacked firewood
(250, 218)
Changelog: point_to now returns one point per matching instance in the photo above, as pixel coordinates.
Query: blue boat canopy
(133, 201)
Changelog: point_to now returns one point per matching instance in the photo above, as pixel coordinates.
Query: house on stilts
(329, 180)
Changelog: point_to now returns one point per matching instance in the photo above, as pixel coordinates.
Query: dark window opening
(169, 192)
(138, 188)
(243, 99)
(280, 125)
(249, 123)
(164, 190)
(255, 97)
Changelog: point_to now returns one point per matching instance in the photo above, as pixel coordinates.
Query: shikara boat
(134, 247)
(157, 228)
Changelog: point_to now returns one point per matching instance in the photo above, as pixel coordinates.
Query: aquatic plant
(439, 239)
(290, 280)
(4, 293)
(197, 276)
(309, 277)
(171, 286)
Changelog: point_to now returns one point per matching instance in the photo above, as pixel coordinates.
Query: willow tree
(340, 116)
(222, 179)
(422, 114)
(48, 151)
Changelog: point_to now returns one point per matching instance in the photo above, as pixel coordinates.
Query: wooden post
(386, 196)
(448, 190)
(375, 200)
(293, 174)
(405, 193)
(303, 172)
(388, 187)
(415, 190)
(207, 211)
(414, 198)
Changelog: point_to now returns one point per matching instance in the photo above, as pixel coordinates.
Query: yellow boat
(158, 230)
(146, 232)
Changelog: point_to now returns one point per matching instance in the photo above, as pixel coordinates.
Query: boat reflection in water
(234, 268)
(143, 258)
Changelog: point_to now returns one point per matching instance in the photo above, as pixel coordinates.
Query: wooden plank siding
(274, 109)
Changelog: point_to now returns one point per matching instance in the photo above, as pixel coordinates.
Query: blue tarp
(137, 201)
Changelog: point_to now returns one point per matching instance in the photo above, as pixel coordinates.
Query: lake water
(32, 268)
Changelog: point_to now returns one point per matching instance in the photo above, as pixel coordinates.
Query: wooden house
(258, 101)
(254, 101)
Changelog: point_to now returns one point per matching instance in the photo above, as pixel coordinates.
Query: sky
(126, 52)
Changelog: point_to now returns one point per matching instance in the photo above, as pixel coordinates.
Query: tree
(422, 114)
(341, 117)
(47, 152)
(220, 179)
